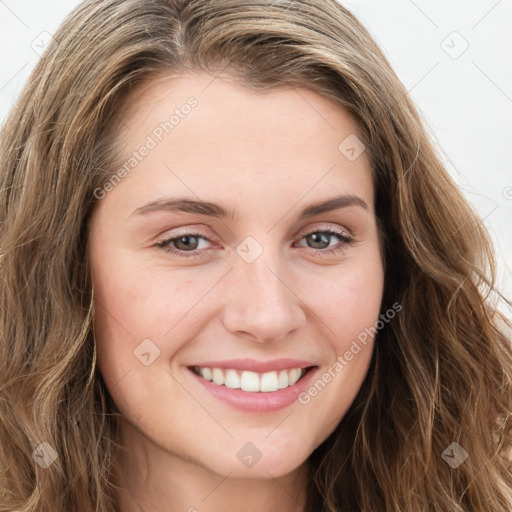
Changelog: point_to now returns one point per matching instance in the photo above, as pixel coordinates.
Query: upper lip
(257, 366)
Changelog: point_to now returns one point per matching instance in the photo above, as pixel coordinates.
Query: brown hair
(441, 371)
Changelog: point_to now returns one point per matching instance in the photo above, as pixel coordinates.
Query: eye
(181, 245)
(323, 236)
(187, 244)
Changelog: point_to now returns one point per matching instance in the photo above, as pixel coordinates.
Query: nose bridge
(263, 303)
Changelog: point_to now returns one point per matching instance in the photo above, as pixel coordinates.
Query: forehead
(228, 104)
(285, 139)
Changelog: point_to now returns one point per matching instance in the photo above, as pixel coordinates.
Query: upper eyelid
(305, 230)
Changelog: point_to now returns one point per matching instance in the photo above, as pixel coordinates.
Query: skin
(267, 156)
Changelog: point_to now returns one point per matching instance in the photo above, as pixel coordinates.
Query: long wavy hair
(441, 371)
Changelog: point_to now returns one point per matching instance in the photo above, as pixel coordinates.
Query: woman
(372, 372)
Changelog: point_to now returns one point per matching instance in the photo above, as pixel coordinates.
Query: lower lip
(257, 401)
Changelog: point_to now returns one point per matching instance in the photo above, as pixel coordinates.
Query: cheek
(359, 303)
(357, 313)
(136, 302)
(347, 299)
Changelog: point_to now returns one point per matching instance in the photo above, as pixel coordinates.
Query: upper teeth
(251, 381)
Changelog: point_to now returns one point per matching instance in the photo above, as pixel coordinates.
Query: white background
(466, 101)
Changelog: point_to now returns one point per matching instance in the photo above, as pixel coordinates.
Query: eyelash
(344, 239)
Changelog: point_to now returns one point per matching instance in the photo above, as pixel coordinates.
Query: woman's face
(252, 283)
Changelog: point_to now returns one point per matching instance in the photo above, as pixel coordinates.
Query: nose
(261, 302)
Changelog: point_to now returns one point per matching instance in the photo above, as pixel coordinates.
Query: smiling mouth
(251, 381)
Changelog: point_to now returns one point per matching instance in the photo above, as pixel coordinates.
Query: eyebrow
(184, 204)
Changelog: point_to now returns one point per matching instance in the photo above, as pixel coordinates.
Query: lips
(251, 385)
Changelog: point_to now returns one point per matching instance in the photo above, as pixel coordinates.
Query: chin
(253, 460)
